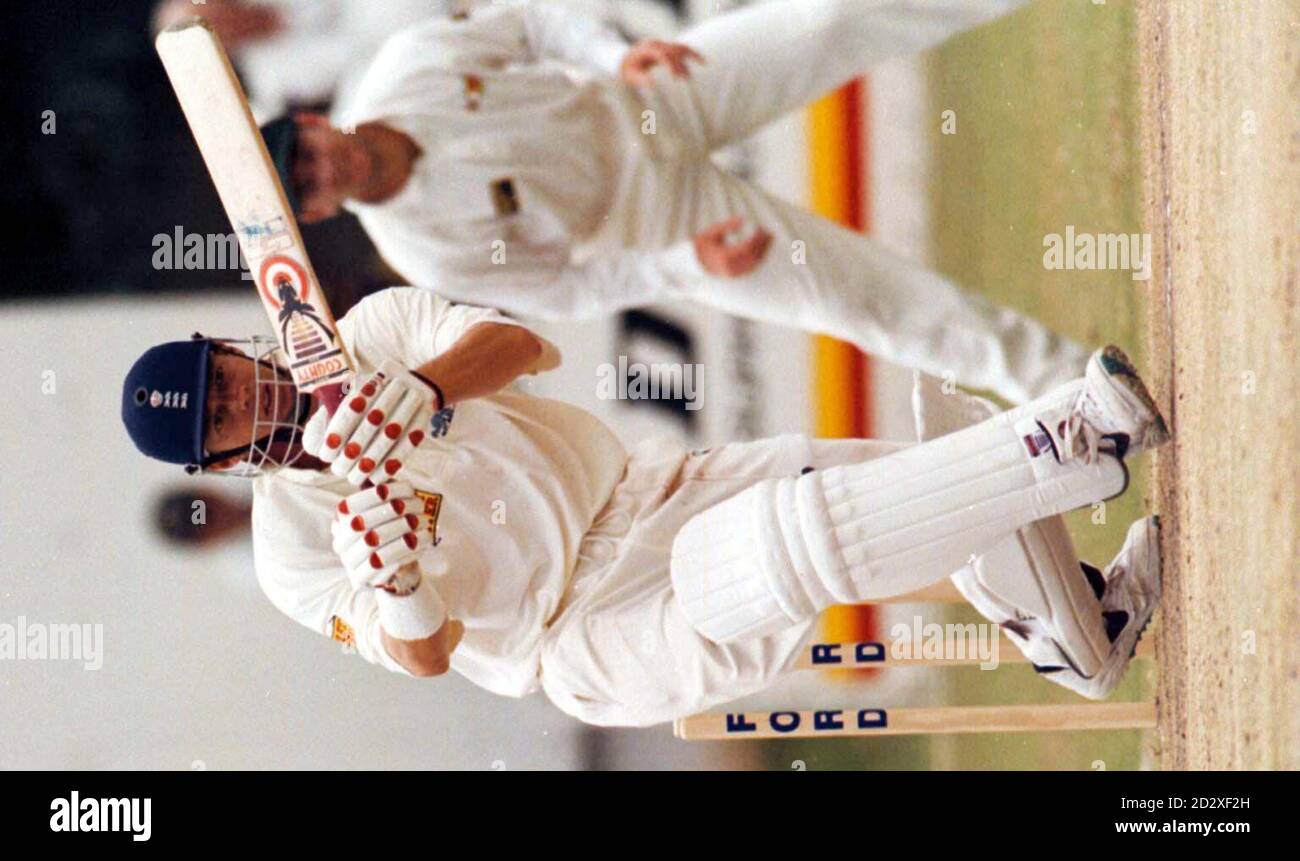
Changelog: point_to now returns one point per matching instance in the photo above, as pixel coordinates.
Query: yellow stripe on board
(833, 367)
(828, 158)
(840, 410)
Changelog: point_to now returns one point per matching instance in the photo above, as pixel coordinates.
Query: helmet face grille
(274, 442)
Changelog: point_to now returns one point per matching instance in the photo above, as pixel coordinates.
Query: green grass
(1047, 136)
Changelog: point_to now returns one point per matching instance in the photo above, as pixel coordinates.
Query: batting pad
(785, 549)
(1036, 573)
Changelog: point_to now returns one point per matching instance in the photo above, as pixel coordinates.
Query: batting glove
(376, 428)
(379, 530)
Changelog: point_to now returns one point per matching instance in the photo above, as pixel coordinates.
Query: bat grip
(331, 396)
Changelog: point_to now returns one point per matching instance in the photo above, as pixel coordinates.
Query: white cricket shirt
(517, 482)
(523, 160)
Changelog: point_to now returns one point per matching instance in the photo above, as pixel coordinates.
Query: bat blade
(232, 147)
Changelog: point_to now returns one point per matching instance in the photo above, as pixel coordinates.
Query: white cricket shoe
(1113, 413)
(1131, 596)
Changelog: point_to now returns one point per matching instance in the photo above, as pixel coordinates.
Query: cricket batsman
(440, 520)
(524, 158)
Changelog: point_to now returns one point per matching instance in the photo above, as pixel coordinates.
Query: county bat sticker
(308, 339)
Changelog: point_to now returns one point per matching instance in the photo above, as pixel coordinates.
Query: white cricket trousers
(629, 648)
(620, 651)
(763, 62)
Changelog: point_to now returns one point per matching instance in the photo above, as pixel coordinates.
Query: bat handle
(332, 395)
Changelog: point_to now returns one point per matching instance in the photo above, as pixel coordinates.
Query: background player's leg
(825, 278)
(771, 58)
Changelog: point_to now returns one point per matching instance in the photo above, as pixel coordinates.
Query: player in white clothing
(313, 52)
(513, 539)
(527, 159)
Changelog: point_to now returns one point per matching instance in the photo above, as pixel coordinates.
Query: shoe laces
(1080, 438)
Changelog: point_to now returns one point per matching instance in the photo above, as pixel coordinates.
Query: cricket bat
(217, 110)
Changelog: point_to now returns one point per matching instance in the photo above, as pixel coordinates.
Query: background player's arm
(485, 359)
(542, 280)
(532, 31)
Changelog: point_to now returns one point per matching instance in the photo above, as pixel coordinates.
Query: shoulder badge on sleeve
(341, 632)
